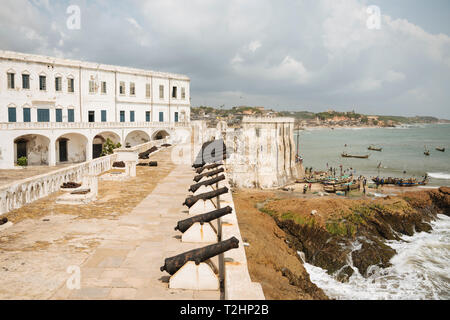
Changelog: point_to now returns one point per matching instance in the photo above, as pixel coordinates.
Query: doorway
(62, 150)
(21, 148)
(97, 150)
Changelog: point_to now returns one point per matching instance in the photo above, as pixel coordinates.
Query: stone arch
(35, 147)
(136, 137)
(160, 134)
(71, 148)
(100, 139)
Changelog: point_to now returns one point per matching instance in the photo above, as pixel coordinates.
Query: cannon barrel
(145, 154)
(190, 201)
(173, 264)
(208, 174)
(185, 224)
(207, 167)
(209, 182)
(198, 165)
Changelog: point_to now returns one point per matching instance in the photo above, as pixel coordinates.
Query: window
(42, 83)
(161, 117)
(26, 115)
(11, 80)
(183, 93)
(103, 115)
(174, 92)
(58, 84)
(122, 116)
(43, 115)
(70, 85)
(58, 115)
(71, 115)
(161, 92)
(91, 116)
(25, 81)
(176, 116)
(122, 87)
(147, 116)
(147, 90)
(131, 116)
(92, 86)
(104, 87)
(12, 115)
(132, 89)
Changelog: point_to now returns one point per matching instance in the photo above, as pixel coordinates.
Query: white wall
(82, 73)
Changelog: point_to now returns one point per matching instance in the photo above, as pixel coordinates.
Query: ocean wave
(439, 175)
(419, 270)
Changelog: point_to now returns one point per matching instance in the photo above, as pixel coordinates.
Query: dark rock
(344, 274)
(374, 252)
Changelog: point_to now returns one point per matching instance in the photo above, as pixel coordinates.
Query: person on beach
(305, 187)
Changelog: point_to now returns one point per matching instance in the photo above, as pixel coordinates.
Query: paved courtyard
(119, 257)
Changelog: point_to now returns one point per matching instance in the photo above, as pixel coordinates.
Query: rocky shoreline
(336, 233)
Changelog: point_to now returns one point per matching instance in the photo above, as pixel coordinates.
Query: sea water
(403, 151)
(420, 270)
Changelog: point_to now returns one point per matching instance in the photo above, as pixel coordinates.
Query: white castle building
(57, 110)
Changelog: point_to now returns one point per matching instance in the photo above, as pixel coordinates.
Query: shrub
(109, 146)
(22, 161)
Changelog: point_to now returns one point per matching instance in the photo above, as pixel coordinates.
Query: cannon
(146, 154)
(173, 264)
(3, 220)
(205, 183)
(199, 177)
(183, 225)
(207, 167)
(190, 201)
(198, 165)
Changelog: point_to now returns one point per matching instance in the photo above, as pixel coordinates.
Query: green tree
(109, 146)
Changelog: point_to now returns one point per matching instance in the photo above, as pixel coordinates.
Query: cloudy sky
(287, 54)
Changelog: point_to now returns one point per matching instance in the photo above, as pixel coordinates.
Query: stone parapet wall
(19, 193)
(237, 282)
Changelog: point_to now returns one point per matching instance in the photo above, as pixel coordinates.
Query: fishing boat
(440, 149)
(411, 182)
(337, 181)
(346, 155)
(341, 187)
(374, 149)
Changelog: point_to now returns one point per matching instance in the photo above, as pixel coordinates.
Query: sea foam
(419, 270)
(439, 175)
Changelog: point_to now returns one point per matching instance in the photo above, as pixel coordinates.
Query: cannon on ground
(207, 167)
(190, 201)
(173, 264)
(208, 174)
(205, 183)
(183, 225)
(146, 154)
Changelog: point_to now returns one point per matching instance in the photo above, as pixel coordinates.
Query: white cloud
(294, 53)
(254, 45)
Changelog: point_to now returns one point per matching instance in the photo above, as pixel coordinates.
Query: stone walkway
(126, 263)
